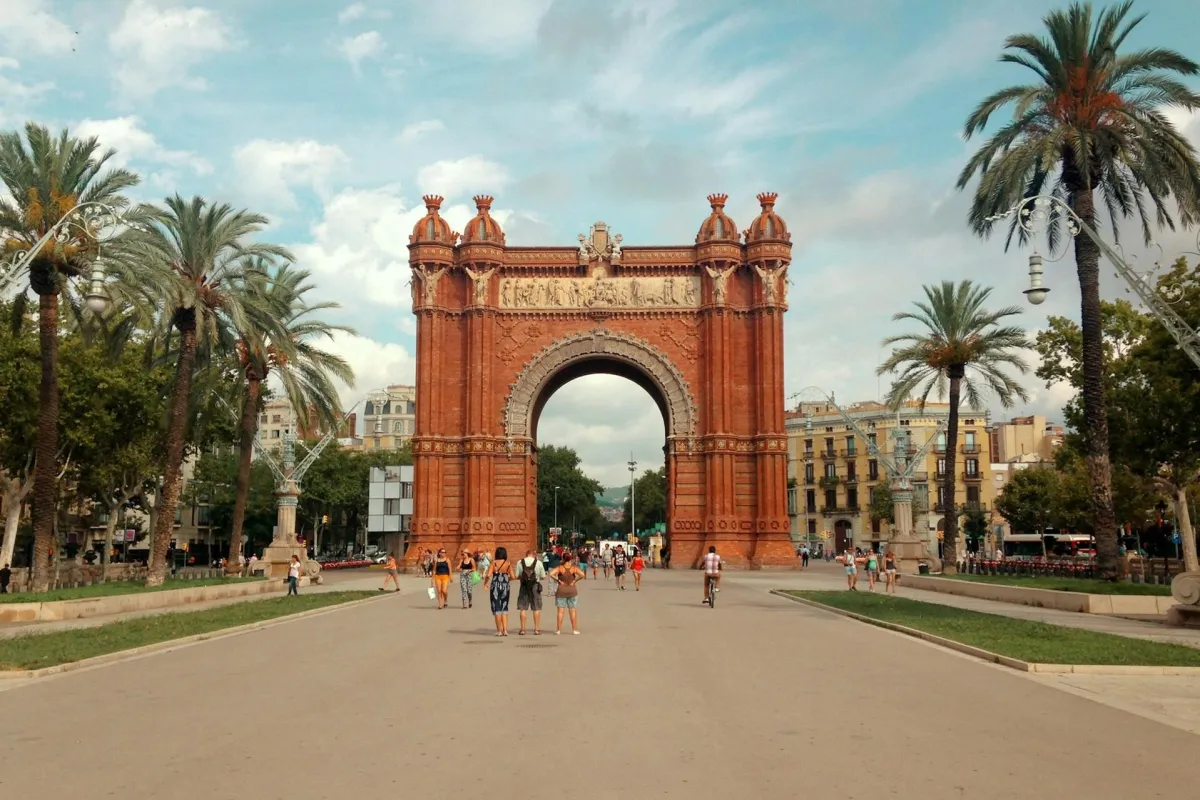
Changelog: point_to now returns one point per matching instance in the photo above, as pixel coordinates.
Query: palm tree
(205, 246)
(286, 345)
(964, 346)
(47, 178)
(1091, 122)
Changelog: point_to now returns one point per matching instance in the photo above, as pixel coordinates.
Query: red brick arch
(500, 329)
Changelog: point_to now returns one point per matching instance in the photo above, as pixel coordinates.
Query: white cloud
(16, 97)
(1186, 122)
(357, 49)
(158, 47)
(28, 26)
(483, 25)
(134, 143)
(462, 176)
(410, 133)
(352, 12)
(375, 364)
(269, 170)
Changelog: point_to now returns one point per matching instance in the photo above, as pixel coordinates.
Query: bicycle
(712, 591)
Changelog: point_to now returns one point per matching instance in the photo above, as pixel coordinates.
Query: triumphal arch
(700, 327)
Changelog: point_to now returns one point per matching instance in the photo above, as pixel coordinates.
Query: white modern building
(390, 507)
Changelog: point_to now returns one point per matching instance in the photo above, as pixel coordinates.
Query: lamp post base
(278, 556)
(910, 554)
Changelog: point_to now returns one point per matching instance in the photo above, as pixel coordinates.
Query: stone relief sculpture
(718, 278)
(429, 280)
(479, 281)
(672, 291)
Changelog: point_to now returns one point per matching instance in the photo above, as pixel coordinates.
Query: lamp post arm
(315, 453)
(920, 454)
(872, 448)
(20, 263)
(1032, 211)
(262, 450)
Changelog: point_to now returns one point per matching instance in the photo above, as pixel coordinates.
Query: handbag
(432, 592)
(475, 577)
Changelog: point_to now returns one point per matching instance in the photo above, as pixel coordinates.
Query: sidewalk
(830, 577)
(340, 583)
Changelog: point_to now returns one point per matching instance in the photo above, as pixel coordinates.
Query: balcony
(849, 453)
(829, 455)
(970, 448)
(810, 510)
(828, 482)
(974, 477)
(851, 479)
(938, 448)
(939, 508)
(808, 455)
(872, 476)
(809, 480)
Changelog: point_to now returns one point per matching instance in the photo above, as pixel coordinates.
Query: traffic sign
(1176, 538)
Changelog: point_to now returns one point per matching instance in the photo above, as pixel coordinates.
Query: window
(941, 496)
(397, 427)
(871, 495)
(204, 515)
(812, 527)
(968, 422)
(941, 467)
(262, 420)
(871, 438)
(831, 498)
(831, 470)
(829, 445)
(829, 429)
(972, 465)
(941, 442)
(851, 469)
(852, 497)
(808, 447)
(275, 433)
(969, 438)
(973, 495)
(809, 473)
(875, 524)
(405, 523)
(849, 445)
(391, 507)
(406, 491)
(904, 423)
(873, 470)
(275, 418)
(810, 500)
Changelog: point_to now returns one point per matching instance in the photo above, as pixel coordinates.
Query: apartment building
(277, 417)
(1025, 440)
(390, 507)
(833, 476)
(390, 419)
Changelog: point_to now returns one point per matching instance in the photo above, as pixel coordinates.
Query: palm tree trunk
(245, 461)
(177, 424)
(949, 482)
(46, 461)
(1087, 266)
(1187, 536)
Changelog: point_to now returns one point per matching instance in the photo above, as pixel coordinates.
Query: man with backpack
(530, 573)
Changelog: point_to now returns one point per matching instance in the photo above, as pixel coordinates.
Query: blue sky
(333, 118)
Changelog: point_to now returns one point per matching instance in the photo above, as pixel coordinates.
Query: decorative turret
(718, 227)
(768, 252)
(767, 226)
(432, 229)
(483, 228)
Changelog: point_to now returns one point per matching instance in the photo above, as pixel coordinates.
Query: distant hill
(612, 497)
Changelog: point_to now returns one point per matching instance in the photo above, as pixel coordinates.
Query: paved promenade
(659, 697)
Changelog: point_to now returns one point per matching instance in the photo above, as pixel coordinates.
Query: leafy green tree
(1028, 498)
(962, 346)
(47, 178)
(203, 247)
(19, 375)
(559, 466)
(650, 498)
(882, 506)
(975, 523)
(288, 349)
(1090, 123)
(214, 483)
(337, 487)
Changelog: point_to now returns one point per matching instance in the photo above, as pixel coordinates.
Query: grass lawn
(112, 588)
(37, 650)
(1084, 585)
(1017, 638)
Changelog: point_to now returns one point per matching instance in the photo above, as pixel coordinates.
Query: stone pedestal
(909, 549)
(278, 554)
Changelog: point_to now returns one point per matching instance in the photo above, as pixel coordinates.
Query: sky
(333, 119)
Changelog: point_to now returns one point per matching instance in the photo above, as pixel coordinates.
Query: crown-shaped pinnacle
(767, 199)
(483, 202)
(717, 200)
(433, 201)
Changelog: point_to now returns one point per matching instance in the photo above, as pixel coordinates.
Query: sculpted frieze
(545, 294)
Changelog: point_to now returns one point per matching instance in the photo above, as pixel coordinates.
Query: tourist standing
(427, 563)
(293, 578)
(620, 560)
(5, 578)
(889, 572)
(566, 598)
(499, 575)
(530, 572)
(485, 561)
(393, 573)
(466, 572)
(606, 561)
(441, 578)
(637, 564)
(804, 555)
(851, 570)
(872, 569)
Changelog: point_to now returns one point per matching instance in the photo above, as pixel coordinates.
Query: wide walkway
(659, 697)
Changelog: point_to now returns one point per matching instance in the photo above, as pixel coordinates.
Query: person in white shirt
(294, 576)
(712, 569)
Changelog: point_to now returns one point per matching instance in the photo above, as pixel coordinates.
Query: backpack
(528, 572)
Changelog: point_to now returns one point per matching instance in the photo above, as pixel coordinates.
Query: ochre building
(699, 327)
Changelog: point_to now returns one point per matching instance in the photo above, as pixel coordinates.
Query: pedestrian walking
(851, 570)
(566, 597)
(497, 584)
(293, 578)
(636, 565)
(889, 573)
(393, 573)
(5, 578)
(427, 563)
(594, 561)
(620, 561)
(606, 561)
(441, 578)
(529, 594)
(466, 576)
(804, 555)
(872, 569)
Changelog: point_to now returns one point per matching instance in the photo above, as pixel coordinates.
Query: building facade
(1025, 440)
(277, 417)
(833, 477)
(389, 423)
(390, 507)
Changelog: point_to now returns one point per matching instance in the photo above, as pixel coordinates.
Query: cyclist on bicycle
(712, 571)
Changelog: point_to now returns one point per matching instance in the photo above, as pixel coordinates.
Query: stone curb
(171, 644)
(996, 658)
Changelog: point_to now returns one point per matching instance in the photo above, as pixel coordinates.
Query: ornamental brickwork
(500, 329)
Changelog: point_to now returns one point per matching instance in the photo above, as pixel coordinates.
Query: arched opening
(606, 413)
